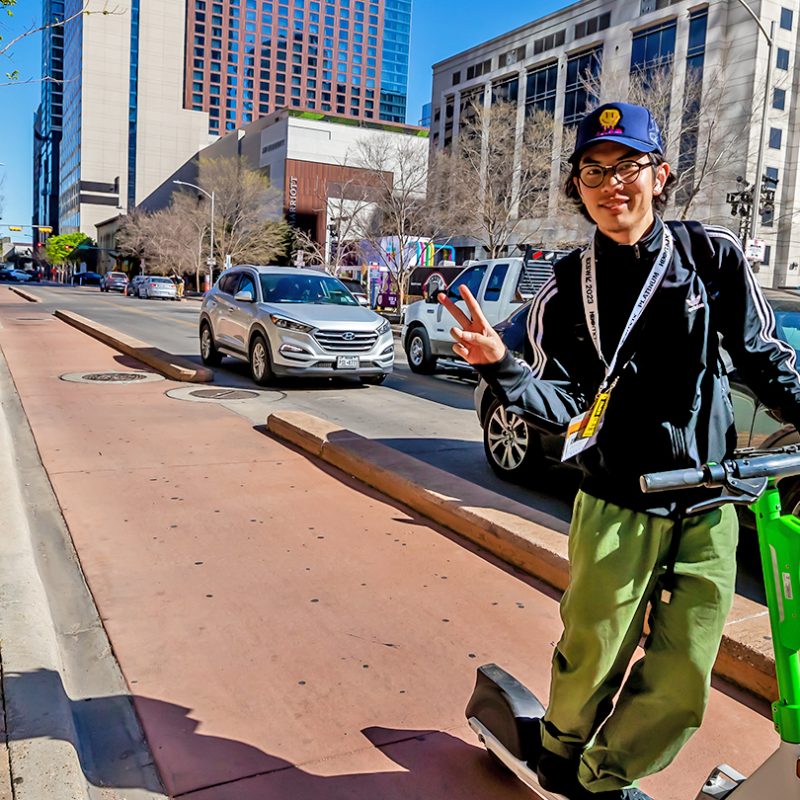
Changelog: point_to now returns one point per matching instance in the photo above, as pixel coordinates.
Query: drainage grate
(223, 394)
(112, 377)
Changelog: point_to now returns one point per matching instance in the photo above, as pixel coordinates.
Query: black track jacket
(671, 407)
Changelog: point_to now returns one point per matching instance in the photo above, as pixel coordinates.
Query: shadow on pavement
(435, 764)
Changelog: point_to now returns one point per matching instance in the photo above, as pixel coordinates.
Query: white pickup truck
(500, 286)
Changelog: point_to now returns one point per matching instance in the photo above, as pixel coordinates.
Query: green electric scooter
(505, 714)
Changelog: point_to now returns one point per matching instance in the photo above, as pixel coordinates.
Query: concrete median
(516, 533)
(31, 298)
(175, 367)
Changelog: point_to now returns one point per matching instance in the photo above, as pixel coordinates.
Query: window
(495, 284)
(690, 119)
(576, 95)
(779, 98)
(456, 75)
(786, 18)
(767, 251)
(506, 91)
(471, 278)
(782, 59)
(540, 90)
(247, 284)
(476, 70)
(592, 25)
(653, 48)
(775, 138)
(549, 42)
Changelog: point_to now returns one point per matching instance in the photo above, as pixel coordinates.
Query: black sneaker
(558, 774)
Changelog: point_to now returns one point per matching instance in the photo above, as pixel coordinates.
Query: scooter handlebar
(672, 479)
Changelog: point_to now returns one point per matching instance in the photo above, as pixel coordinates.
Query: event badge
(583, 429)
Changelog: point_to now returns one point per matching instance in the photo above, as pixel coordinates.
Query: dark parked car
(114, 282)
(518, 453)
(87, 278)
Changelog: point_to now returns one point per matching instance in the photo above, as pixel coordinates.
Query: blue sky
(439, 28)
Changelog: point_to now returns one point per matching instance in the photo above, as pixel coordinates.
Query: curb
(175, 367)
(31, 298)
(521, 536)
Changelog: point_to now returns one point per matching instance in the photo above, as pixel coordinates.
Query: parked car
(114, 282)
(87, 278)
(357, 290)
(499, 285)
(132, 290)
(518, 453)
(15, 275)
(157, 286)
(288, 321)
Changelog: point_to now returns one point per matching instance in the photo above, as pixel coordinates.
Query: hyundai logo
(349, 336)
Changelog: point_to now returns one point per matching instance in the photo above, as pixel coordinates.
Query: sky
(439, 29)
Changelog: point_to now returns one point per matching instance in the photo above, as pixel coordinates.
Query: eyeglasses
(593, 175)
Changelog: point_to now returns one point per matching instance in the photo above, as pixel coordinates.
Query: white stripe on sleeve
(535, 326)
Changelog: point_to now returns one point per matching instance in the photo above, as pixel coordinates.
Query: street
(284, 631)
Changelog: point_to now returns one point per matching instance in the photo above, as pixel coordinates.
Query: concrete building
(124, 124)
(47, 122)
(541, 65)
(307, 157)
(245, 59)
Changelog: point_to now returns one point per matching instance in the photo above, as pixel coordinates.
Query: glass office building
(248, 58)
(48, 121)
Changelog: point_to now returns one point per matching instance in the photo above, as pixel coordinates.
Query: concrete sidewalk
(286, 631)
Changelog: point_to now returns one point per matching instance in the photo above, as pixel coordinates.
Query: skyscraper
(247, 58)
(124, 125)
(47, 123)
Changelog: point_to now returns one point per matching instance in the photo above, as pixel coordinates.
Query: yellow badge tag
(595, 416)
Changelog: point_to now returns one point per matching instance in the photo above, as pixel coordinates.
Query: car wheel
(512, 448)
(208, 350)
(375, 380)
(418, 352)
(260, 361)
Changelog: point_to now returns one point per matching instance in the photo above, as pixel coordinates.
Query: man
(628, 330)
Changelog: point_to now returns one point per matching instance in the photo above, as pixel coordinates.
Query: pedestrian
(628, 330)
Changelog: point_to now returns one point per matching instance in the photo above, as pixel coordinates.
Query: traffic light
(44, 229)
(15, 227)
(68, 247)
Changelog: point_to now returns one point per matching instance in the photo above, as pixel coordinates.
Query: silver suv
(288, 321)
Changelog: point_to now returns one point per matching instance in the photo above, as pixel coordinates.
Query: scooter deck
(520, 768)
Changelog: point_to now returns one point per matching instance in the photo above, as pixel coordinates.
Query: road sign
(756, 250)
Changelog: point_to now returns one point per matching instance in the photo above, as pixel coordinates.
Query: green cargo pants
(617, 557)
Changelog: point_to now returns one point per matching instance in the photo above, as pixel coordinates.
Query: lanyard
(589, 286)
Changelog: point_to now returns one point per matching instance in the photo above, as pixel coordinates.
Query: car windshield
(160, 280)
(305, 289)
(116, 275)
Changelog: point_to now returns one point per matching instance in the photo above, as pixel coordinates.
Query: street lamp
(211, 196)
(762, 135)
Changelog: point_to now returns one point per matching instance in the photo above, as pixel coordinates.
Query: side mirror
(245, 296)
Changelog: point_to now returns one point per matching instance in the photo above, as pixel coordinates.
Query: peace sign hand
(477, 342)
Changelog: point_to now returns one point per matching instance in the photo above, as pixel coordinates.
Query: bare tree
(398, 168)
(195, 214)
(493, 183)
(248, 217)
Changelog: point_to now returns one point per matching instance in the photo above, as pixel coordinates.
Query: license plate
(347, 362)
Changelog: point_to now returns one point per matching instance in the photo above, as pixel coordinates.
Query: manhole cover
(115, 377)
(223, 394)
(112, 377)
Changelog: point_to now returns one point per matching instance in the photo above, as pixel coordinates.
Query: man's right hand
(477, 342)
